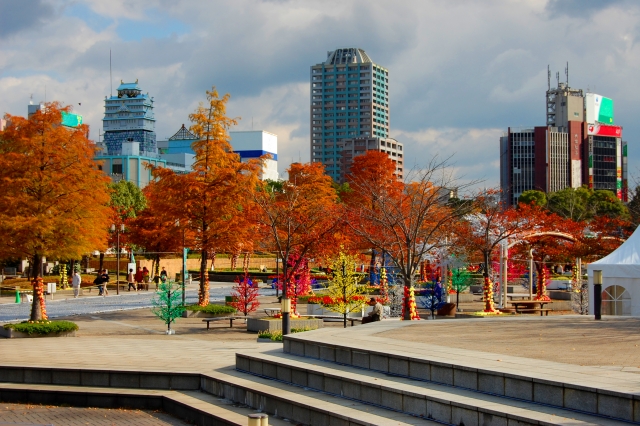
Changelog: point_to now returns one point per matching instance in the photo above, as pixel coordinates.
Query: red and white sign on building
(603, 130)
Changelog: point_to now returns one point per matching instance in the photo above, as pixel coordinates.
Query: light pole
(597, 294)
(117, 230)
(184, 262)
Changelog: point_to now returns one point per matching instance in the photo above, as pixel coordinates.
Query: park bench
(542, 311)
(231, 320)
(271, 311)
(333, 318)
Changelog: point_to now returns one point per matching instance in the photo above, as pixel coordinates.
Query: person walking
(139, 277)
(105, 282)
(145, 277)
(75, 283)
(163, 275)
(131, 280)
(98, 282)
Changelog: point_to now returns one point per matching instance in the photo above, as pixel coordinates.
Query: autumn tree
(406, 222)
(374, 170)
(490, 224)
(210, 202)
(155, 230)
(300, 217)
(54, 201)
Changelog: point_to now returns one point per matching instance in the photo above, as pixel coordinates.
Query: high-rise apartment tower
(349, 99)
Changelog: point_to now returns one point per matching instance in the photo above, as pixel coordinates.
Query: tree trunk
(372, 266)
(101, 265)
(203, 297)
(36, 312)
(487, 291)
(406, 301)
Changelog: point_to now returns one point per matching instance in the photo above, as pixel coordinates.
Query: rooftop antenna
(566, 73)
(548, 78)
(110, 76)
(558, 78)
(31, 99)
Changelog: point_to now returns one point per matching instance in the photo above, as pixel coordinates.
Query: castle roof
(183, 134)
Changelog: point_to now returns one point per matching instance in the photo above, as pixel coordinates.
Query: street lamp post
(117, 230)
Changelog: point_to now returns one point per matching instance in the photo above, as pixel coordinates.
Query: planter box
(260, 324)
(314, 309)
(200, 314)
(12, 334)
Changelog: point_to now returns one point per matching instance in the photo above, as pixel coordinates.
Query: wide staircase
(318, 379)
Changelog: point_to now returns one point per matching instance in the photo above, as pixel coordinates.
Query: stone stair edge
(505, 371)
(260, 384)
(462, 398)
(214, 409)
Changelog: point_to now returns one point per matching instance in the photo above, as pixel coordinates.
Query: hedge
(43, 327)
(211, 309)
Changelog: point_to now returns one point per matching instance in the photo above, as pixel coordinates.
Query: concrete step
(192, 406)
(299, 404)
(441, 403)
(565, 386)
(146, 389)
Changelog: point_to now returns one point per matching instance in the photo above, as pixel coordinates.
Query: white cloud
(460, 72)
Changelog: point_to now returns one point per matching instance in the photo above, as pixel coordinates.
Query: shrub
(276, 335)
(43, 327)
(211, 309)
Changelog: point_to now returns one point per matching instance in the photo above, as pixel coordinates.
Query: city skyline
(462, 73)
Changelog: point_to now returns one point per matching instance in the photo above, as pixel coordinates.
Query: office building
(178, 151)
(580, 145)
(129, 136)
(351, 148)
(349, 99)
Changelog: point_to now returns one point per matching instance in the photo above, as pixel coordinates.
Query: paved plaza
(36, 415)
(611, 343)
(63, 303)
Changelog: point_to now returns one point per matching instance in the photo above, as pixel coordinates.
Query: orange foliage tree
(374, 170)
(54, 199)
(300, 217)
(405, 221)
(210, 202)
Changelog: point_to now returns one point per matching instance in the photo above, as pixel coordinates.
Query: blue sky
(461, 71)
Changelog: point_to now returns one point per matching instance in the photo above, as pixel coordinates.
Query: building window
(116, 169)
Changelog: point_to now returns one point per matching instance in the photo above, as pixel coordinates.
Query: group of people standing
(142, 277)
(135, 280)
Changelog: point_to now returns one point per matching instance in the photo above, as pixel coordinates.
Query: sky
(460, 72)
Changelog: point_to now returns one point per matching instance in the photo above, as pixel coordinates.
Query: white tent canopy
(620, 279)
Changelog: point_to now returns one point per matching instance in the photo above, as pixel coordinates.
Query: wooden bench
(231, 320)
(334, 318)
(542, 311)
(272, 311)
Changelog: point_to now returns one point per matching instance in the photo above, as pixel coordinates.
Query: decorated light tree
(344, 291)
(460, 281)
(411, 312)
(167, 304)
(384, 286)
(245, 295)
(63, 276)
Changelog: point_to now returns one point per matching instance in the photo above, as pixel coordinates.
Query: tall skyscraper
(349, 99)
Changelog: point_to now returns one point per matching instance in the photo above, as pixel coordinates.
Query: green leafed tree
(533, 196)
